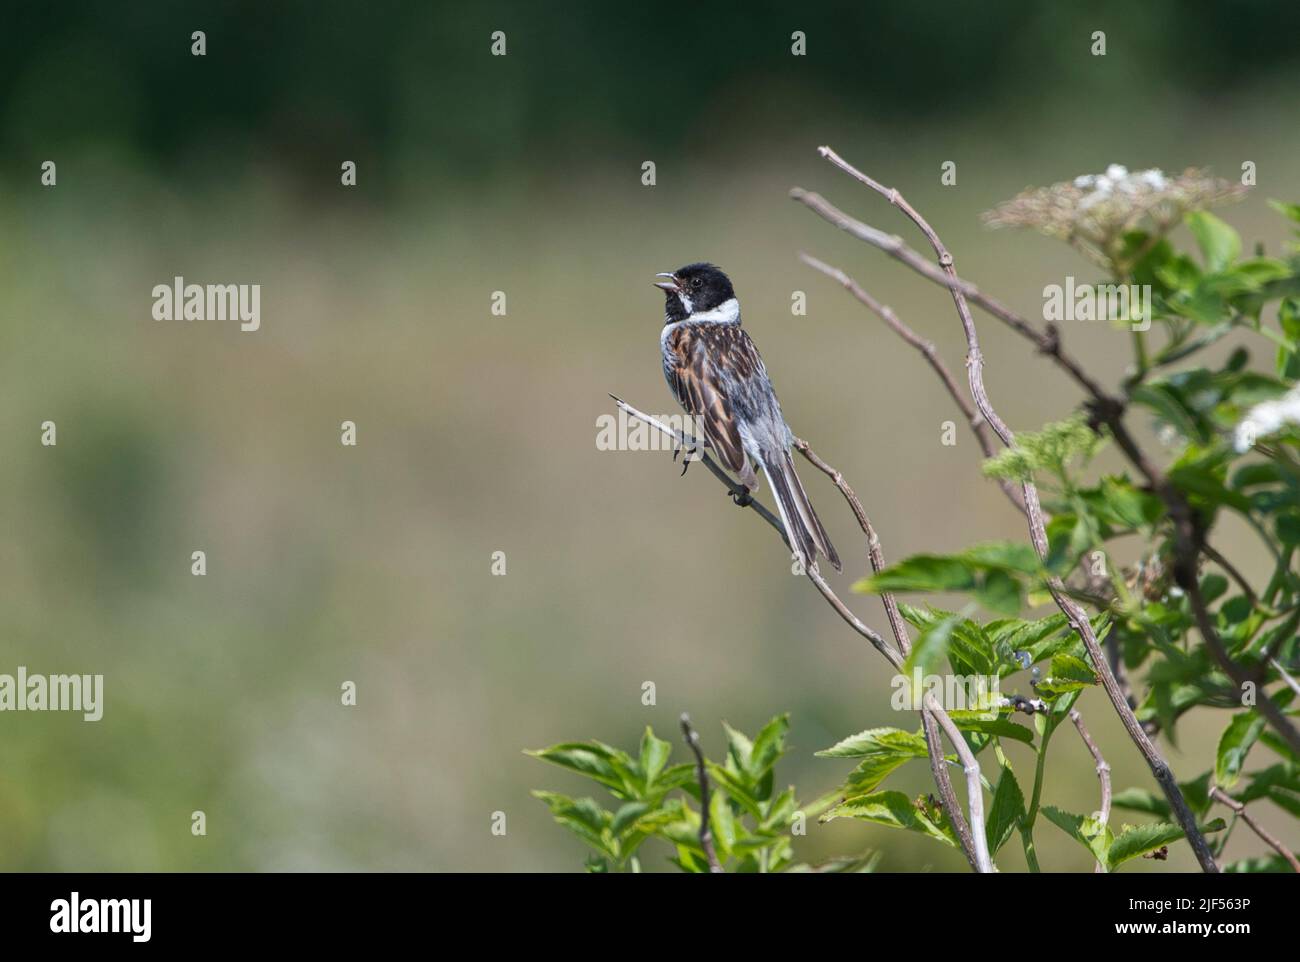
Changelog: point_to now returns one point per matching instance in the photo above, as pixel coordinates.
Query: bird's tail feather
(803, 528)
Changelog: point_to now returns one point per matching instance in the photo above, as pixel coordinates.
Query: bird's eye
(696, 282)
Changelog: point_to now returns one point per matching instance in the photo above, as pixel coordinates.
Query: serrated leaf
(882, 750)
(888, 808)
(1006, 811)
(877, 741)
(592, 759)
(973, 721)
(1068, 674)
(583, 817)
(1136, 840)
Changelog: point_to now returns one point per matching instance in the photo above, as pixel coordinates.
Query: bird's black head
(694, 289)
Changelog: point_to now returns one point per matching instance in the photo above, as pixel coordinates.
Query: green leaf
(736, 788)
(739, 748)
(1260, 864)
(723, 823)
(1006, 812)
(1287, 210)
(877, 741)
(769, 746)
(1234, 744)
(989, 570)
(882, 751)
(1088, 831)
(626, 815)
(581, 816)
(1136, 840)
(1068, 673)
(596, 761)
(1220, 245)
(926, 654)
(1002, 727)
(889, 808)
(654, 755)
(1003, 555)
(921, 572)
(1141, 800)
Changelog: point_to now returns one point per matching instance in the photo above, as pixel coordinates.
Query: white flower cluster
(1265, 418)
(1117, 179)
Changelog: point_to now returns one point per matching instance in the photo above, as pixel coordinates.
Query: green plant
(1182, 628)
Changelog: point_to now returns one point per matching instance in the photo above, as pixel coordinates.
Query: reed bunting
(717, 375)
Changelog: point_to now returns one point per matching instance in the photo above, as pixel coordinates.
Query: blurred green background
(477, 432)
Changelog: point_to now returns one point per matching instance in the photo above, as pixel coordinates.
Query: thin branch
(1219, 795)
(706, 835)
(1103, 769)
(930, 726)
(970, 766)
(1075, 614)
(1210, 552)
(1047, 342)
(1286, 676)
(928, 351)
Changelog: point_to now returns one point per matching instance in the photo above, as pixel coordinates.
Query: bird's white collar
(728, 312)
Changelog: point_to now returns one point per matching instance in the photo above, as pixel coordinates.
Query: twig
(970, 766)
(1076, 616)
(1209, 551)
(1047, 342)
(1103, 770)
(706, 835)
(930, 726)
(928, 351)
(1219, 795)
(1291, 681)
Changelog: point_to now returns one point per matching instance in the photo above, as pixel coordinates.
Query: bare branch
(1219, 795)
(706, 834)
(1103, 770)
(1075, 614)
(1047, 342)
(928, 351)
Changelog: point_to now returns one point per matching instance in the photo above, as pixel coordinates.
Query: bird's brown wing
(693, 378)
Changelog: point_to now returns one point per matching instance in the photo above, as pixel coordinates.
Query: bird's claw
(741, 499)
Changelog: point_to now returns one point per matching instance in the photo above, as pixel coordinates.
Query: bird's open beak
(668, 285)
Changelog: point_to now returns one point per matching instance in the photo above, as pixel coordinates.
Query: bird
(717, 375)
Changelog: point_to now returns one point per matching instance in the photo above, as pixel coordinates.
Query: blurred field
(477, 434)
